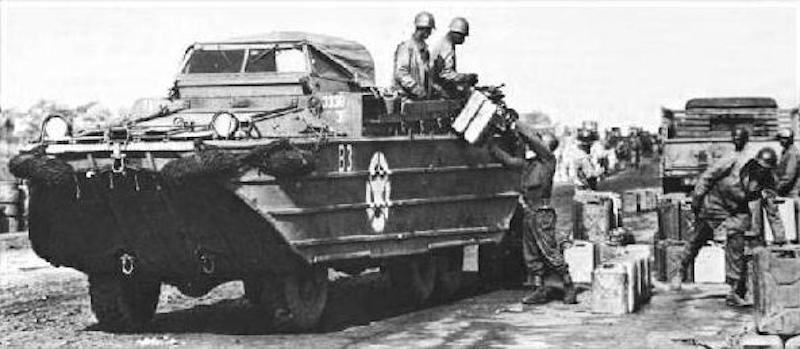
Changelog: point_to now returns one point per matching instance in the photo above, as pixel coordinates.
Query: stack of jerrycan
(598, 235)
(11, 208)
(675, 230)
(640, 200)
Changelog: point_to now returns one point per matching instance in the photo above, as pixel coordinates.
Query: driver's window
(261, 60)
(274, 59)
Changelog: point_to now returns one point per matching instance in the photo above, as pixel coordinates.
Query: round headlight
(55, 127)
(224, 124)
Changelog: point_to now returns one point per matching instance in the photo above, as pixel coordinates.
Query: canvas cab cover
(283, 51)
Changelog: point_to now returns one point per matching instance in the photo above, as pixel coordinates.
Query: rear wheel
(123, 304)
(449, 265)
(293, 302)
(490, 268)
(414, 277)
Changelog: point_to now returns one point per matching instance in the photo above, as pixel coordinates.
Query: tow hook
(127, 263)
(207, 265)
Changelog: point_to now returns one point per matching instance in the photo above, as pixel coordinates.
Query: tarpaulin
(349, 54)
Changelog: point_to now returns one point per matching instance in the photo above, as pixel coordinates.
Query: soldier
(412, 59)
(721, 202)
(740, 138)
(541, 249)
(586, 171)
(447, 81)
(788, 185)
(702, 230)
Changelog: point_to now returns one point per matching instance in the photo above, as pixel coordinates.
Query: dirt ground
(44, 306)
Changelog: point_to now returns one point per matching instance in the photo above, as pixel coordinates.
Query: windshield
(259, 60)
(214, 61)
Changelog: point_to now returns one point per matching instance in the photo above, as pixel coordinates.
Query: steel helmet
(584, 136)
(550, 141)
(740, 133)
(767, 158)
(460, 25)
(424, 20)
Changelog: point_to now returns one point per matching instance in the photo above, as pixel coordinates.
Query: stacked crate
(675, 230)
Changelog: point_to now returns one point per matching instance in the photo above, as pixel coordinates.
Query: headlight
(55, 127)
(224, 124)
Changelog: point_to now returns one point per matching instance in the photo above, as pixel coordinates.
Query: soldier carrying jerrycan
(721, 200)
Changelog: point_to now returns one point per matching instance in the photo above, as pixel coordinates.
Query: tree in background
(25, 126)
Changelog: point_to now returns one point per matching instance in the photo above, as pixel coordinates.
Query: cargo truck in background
(700, 134)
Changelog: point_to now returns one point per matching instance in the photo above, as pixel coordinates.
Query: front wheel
(123, 304)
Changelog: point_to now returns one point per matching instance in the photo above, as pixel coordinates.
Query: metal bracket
(127, 264)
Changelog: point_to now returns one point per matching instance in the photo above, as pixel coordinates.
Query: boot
(733, 299)
(570, 293)
(677, 279)
(539, 293)
(741, 294)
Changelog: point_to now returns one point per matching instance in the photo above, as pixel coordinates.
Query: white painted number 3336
(379, 189)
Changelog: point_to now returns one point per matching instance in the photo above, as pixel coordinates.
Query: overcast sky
(613, 62)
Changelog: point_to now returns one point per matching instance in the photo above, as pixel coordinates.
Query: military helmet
(767, 158)
(740, 134)
(550, 141)
(459, 25)
(585, 136)
(785, 133)
(424, 20)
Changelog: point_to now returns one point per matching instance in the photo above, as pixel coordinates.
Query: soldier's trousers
(737, 243)
(541, 249)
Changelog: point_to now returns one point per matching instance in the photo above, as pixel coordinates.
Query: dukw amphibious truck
(274, 159)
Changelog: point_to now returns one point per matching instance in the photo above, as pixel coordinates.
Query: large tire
(122, 304)
(414, 277)
(294, 303)
(449, 265)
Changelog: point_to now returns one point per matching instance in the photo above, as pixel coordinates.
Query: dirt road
(43, 306)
